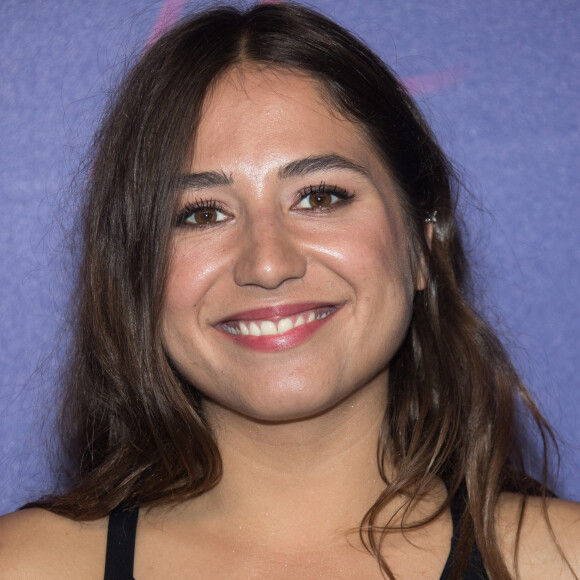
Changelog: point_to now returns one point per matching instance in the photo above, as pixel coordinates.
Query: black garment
(121, 544)
(123, 528)
(475, 568)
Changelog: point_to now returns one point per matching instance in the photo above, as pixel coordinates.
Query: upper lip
(275, 312)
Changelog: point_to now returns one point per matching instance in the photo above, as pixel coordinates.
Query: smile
(275, 329)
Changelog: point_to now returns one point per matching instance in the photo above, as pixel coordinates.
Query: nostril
(269, 261)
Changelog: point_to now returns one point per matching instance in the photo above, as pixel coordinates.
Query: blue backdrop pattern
(498, 80)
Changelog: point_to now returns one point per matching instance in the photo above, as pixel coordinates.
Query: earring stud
(431, 218)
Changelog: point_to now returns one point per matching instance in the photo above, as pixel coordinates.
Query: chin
(284, 403)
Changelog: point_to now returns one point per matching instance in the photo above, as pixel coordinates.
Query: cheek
(182, 289)
(192, 271)
(378, 264)
(190, 278)
(374, 254)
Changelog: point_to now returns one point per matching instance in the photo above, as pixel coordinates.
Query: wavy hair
(134, 428)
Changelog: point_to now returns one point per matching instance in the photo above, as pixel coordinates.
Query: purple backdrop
(498, 80)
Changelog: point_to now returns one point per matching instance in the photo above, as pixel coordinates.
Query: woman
(276, 370)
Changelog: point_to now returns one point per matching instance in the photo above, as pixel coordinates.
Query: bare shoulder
(35, 543)
(549, 544)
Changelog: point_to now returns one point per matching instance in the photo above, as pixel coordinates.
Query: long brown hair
(133, 427)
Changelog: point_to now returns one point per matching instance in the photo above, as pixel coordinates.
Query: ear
(421, 279)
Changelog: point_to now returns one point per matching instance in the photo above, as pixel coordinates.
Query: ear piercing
(431, 218)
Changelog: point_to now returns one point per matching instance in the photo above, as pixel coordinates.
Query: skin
(297, 428)
(268, 250)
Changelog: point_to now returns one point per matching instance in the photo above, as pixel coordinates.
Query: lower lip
(277, 342)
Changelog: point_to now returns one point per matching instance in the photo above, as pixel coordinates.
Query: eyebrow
(298, 168)
(320, 163)
(203, 180)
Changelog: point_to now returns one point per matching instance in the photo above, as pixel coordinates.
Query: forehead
(264, 88)
(265, 113)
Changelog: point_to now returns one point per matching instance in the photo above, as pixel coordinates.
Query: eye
(322, 197)
(317, 200)
(201, 213)
(202, 217)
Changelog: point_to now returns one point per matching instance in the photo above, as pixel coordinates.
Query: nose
(269, 255)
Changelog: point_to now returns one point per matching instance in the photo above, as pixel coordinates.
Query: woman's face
(290, 284)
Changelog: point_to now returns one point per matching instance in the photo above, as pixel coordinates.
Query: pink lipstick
(276, 328)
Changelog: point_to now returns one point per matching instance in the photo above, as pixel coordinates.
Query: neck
(307, 479)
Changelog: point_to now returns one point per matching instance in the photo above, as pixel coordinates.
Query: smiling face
(290, 284)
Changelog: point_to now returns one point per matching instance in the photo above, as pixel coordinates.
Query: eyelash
(213, 205)
(342, 194)
(199, 204)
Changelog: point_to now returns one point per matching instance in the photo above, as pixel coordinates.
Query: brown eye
(201, 216)
(318, 200)
(322, 199)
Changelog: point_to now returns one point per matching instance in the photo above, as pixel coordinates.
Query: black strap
(121, 544)
(475, 568)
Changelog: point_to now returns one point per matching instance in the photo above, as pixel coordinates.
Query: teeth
(284, 325)
(269, 327)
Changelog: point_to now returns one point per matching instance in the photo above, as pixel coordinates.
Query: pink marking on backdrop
(433, 82)
(168, 16)
(421, 84)
(416, 85)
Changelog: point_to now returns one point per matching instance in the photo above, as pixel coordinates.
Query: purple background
(498, 80)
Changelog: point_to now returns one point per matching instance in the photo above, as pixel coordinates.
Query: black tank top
(123, 528)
